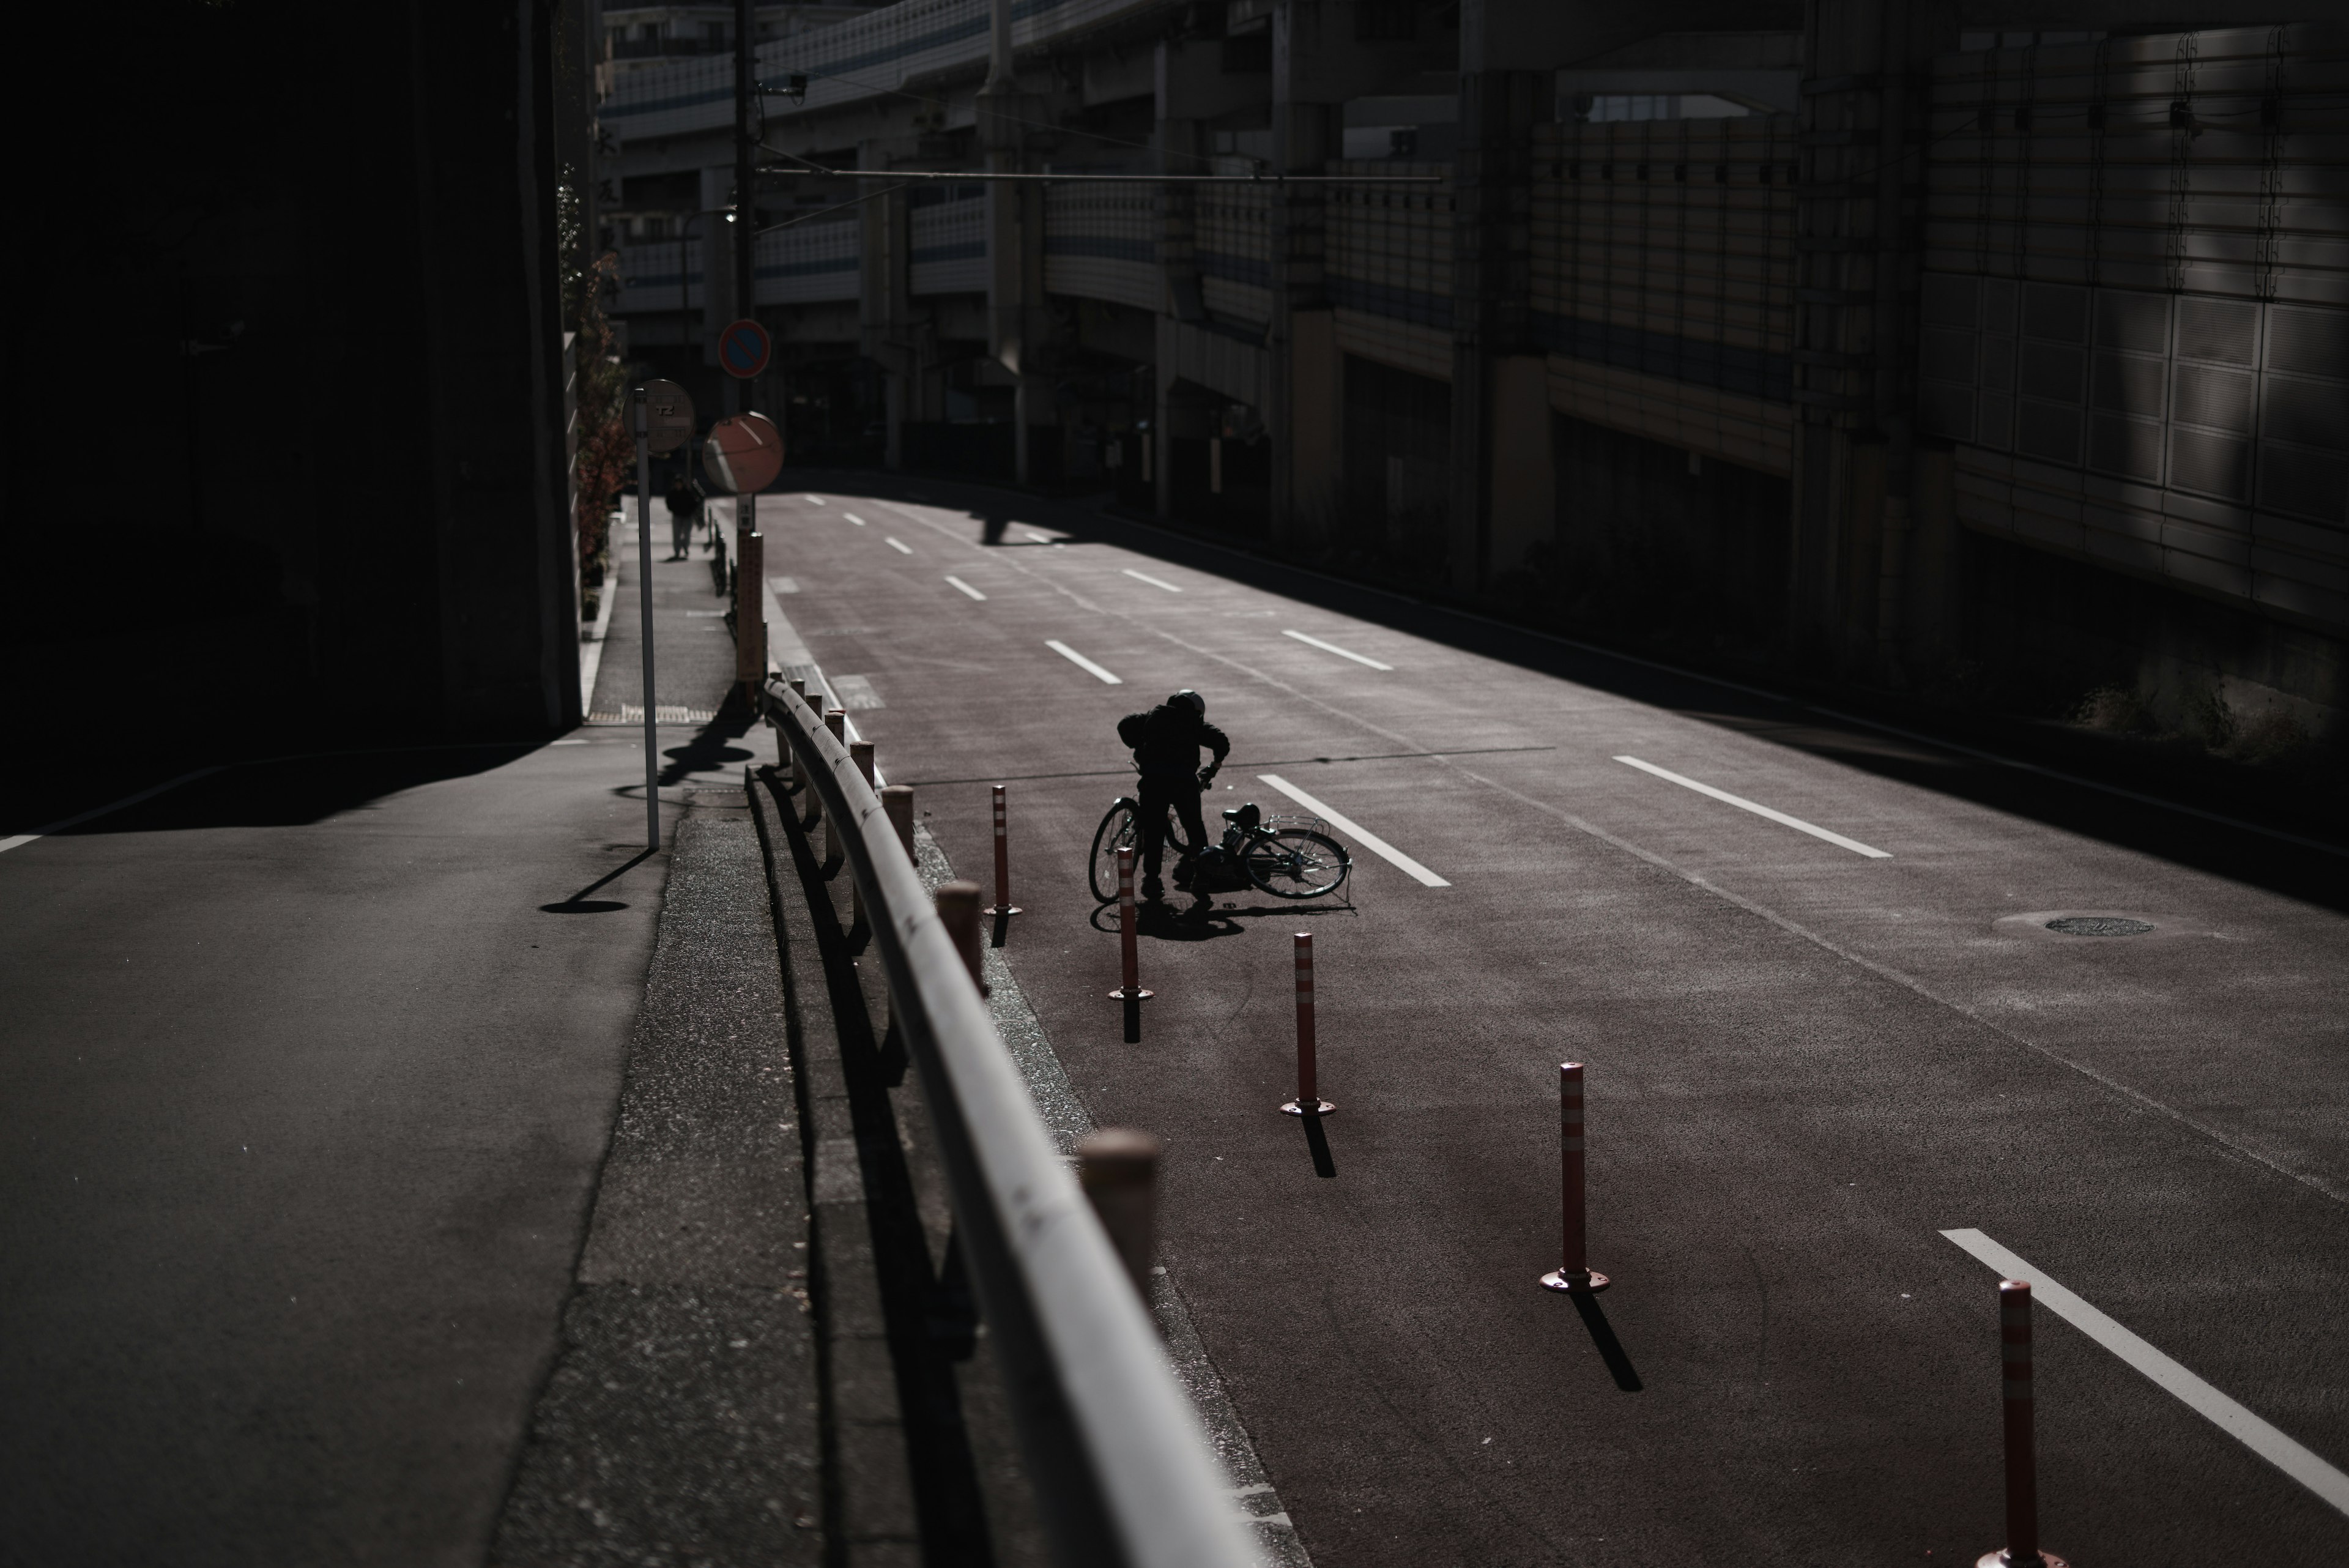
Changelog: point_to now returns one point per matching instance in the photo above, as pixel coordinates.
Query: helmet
(1186, 698)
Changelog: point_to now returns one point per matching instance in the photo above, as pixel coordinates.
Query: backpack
(1132, 729)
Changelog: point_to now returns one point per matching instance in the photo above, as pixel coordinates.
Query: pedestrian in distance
(1165, 741)
(684, 511)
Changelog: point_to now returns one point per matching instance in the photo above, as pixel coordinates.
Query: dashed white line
(1358, 833)
(966, 587)
(1153, 582)
(814, 499)
(1333, 648)
(1080, 661)
(900, 546)
(1034, 537)
(2294, 1461)
(1739, 801)
(852, 517)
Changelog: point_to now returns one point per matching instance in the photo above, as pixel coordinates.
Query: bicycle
(1287, 857)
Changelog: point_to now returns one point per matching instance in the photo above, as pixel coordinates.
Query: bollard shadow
(1602, 1336)
(1317, 1139)
(579, 904)
(1002, 929)
(1132, 1005)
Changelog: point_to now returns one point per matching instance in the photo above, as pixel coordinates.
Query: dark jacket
(1166, 742)
(683, 498)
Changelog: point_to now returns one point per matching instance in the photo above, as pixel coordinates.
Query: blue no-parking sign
(743, 348)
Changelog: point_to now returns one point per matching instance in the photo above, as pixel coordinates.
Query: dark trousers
(1157, 794)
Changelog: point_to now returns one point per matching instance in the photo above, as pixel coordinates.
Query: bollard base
(1306, 1108)
(1136, 994)
(2000, 1559)
(1589, 1283)
(996, 911)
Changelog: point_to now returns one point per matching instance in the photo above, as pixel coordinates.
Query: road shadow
(579, 904)
(712, 748)
(1317, 1141)
(1602, 1336)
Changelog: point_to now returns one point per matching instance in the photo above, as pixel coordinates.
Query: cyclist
(1166, 742)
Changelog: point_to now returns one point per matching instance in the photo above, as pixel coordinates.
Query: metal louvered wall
(1387, 267)
(1233, 246)
(1664, 268)
(1101, 242)
(2136, 308)
(809, 264)
(945, 250)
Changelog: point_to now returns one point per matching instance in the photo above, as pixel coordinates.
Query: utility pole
(746, 206)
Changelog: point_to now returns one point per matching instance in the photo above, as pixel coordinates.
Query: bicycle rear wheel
(1118, 830)
(1295, 862)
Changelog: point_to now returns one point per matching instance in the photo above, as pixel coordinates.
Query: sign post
(744, 454)
(743, 351)
(664, 418)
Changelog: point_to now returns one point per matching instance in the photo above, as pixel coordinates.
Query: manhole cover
(2099, 926)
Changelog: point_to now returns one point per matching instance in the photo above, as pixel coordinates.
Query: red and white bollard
(1308, 1101)
(2021, 1459)
(1574, 1272)
(1129, 949)
(1003, 905)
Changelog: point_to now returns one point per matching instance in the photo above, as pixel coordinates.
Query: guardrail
(1123, 1475)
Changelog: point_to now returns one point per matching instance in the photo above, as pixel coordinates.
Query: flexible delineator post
(1118, 1168)
(1308, 1101)
(1128, 921)
(1574, 1272)
(644, 613)
(1003, 904)
(2021, 1457)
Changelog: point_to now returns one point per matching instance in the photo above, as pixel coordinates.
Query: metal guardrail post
(1123, 1474)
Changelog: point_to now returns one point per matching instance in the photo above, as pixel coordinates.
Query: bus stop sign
(743, 348)
(668, 417)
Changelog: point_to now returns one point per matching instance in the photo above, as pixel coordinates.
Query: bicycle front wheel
(1295, 862)
(1118, 830)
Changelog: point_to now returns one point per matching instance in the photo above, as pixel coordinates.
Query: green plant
(605, 454)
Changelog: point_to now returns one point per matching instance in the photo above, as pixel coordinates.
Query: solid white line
(79, 817)
(817, 499)
(2294, 1461)
(1080, 660)
(1854, 845)
(900, 546)
(1333, 648)
(1356, 831)
(1153, 582)
(852, 517)
(966, 588)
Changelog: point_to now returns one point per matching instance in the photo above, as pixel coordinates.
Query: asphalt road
(1806, 1063)
(309, 1068)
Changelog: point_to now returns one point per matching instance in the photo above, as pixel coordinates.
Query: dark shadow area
(712, 747)
(1132, 1006)
(1602, 1336)
(930, 1317)
(579, 904)
(1934, 748)
(1237, 763)
(274, 792)
(1316, 1140)
(1002, 924)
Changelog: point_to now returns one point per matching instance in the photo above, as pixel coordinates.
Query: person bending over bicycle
(1166, 742)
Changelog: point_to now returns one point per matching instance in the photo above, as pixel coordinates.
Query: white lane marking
(1357, 832)
(1153, 582)
(899, 545)
(1039, 538)
(1739, 801)
(97, 811)
(784, 585)
(966, 588)
(816, 500)
(1080, 660)
(571, 742)
(1333, 648)
(852, 517)
(2294, 1461)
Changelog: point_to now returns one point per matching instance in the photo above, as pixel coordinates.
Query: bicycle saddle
(1246, 816)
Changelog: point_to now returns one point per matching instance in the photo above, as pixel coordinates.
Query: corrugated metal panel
(1388, 249)
(1101, 242)
(1404, 345)
(810, 263)
(946, 245)
(1232, 241)
(1665, 249)
(2133, 317)
(1218, 363)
